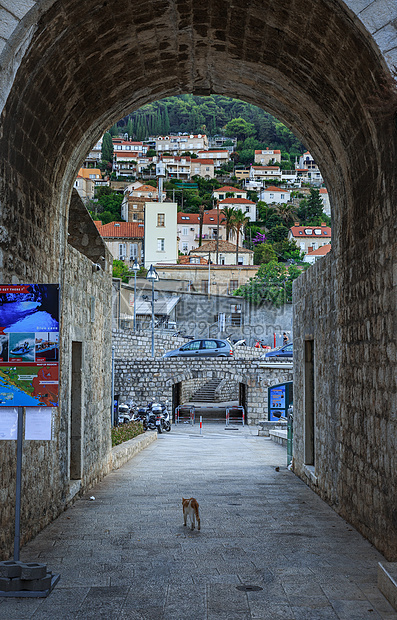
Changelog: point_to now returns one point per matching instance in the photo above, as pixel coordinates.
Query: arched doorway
(81, 67)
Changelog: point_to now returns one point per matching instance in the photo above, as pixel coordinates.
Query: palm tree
(265, 212)
(230, 226)
(240, 220)
(287, 212)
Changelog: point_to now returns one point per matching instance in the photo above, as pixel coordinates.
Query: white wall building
(220, 157)
(248, 207)
(160, 233)
(267, 156)
(325, 198)
(178, 144)
(274, 194)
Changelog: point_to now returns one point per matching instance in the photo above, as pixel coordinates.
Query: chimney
(310, 249)
(323, 224)
(296, 224)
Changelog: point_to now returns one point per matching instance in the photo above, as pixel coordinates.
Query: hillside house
(189, 229)
(226, 253)
(248, 207)
(204, 168)
(220, 157)
(312, 237)
(123, 239)
(179, 144)
(220, 193)
(313, 255)
(267, 157)
(273, 194)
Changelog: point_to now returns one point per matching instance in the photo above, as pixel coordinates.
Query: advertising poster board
(29, 345)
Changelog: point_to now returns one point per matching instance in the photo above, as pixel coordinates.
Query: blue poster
(29, 345)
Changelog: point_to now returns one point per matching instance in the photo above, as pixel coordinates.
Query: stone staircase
(207, 392)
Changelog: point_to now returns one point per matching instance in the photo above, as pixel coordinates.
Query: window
(191, 346)
(241, 260)
(271, 196)
(135, 216)
(185, 231)
(185, 246)
(233, 285)
(133, 250)
(209, 344)
(247, 209)
(122, 251)
(160, 245)
(160, 219)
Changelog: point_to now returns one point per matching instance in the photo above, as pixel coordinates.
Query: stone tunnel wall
(352, 322)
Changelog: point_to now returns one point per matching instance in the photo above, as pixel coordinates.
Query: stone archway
(81, 66)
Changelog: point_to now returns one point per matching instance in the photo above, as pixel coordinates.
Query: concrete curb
(387, 581)
(122, 453)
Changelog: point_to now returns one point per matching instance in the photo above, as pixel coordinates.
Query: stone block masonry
(142, 379)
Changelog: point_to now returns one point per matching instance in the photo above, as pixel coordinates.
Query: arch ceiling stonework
(70, 69)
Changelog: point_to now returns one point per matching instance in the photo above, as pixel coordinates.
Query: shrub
(124, 432)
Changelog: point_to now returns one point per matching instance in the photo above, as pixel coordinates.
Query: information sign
(29, 345)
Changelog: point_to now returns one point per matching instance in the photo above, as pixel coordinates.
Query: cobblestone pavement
(126, 554)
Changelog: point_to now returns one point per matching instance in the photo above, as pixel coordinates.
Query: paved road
(126, 555)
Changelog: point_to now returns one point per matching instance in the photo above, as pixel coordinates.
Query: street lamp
(152, 276)
(135, 269)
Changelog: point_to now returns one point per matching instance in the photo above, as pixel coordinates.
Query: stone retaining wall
(139, 379)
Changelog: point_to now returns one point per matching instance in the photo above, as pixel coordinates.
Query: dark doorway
(242, 398)
(176, 396)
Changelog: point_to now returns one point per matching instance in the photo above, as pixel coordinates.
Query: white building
(308, 169)
(325, 198)
(248, 207)
(226, 253)
(160, 244)
(313, 255)
(219, 157)
(189, 229)
(203, 168)
(178, 144)
(267, 156)
(220, 193)
(310, 237)
(274, 194)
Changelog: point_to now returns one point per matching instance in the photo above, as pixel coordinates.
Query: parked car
(284, 352)
(206, 347)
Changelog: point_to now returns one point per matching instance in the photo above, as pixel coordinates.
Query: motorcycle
(141, 415)
(154, 411)
(124, 414)
(165, 420)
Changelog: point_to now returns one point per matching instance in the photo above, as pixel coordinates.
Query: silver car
(206, 347)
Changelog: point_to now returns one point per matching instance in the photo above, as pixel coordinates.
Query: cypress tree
(107, 148)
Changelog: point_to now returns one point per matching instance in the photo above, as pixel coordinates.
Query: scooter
(165, 420)
(154, 416)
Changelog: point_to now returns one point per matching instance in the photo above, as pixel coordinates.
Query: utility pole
(217, 232)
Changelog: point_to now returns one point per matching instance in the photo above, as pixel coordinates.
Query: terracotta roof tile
(122, 230)
(228, 188)
(224, 246)
(239, 201)
(299, 231)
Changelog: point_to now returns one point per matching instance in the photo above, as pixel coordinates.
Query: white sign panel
(38, 423)
(8, 422)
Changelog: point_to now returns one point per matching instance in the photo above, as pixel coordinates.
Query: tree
(130, 128)
(240, 220)
(277, 233)
(287, 212)
(272, 283)
(264, 253)
(311, 210)
(107, 148)
(240, 128)
(120, 270)
(265, 212)
(229, 220)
